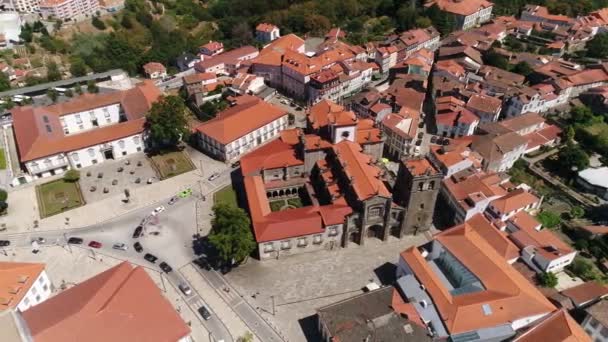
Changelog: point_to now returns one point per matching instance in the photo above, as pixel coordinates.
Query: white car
(120, 246)
(213, 177)
(157, 210)
(185, 289)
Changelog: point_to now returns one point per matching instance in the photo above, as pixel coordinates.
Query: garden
(59, 195)
(226, 195)
(171, 164)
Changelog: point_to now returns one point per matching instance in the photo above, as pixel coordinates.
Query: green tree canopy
(52, 72)
(547, 279)
(231, 233)
(598, 46)
(522, 68)
(548, 219)
(5, 84)
(572, 156)
(495, 59)
(166, 122)
(582, 115)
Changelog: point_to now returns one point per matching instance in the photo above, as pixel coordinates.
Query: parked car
(165, 267)
(420, 135)
(173, 200)
(75, 241)
(433, 139)
(157, 211)
(39, 240)
(446, 142)
(138, 231)
(120, 246)
(236, 164)
(138, 247)
(213, 177)
(95, 244)
(185, 289)
(151, 258)
(185, 193)
(4, 243)
(204, 312)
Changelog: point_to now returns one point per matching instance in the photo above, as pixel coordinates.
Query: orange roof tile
(543, 239)
(199, 77)
(241, 119)
(484, 103)
(586, 292)
(265, 27)
(16, 278)
(364, 175)
(120, 304)
(514, 200)
(151, 67)
(558, 327)
(494, 237)
(327, 112)
(508, 294)
(420, 166)
(275, 154)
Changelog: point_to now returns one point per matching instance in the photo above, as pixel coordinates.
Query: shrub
(3, 195)
(98, 23)
(548, 218)
(72, 176)
(547, 279)
(3, 206)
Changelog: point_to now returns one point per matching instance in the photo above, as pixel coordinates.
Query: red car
(95, 244)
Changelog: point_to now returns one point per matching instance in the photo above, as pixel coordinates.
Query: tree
(573, 158)
(598, 46)
(570, 133)
(577, 212)
(71, 176)
(406, 17)
(127, 21)
(69, 93)
(92, 87)
(584, 269)
(5, 84)
(3, 195)
(52, 72)
(493, 58)
(78, 89)
(231, 233)
(548, 219)
(248, 337)
(98, 23)
(582, 115)
(166, 122)
(57, 24)
(52, 94)
(522, 68)
(77, 66)
(547, 279)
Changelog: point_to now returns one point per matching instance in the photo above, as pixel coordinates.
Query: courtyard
(58, 196)
(288, 291)
(112, 177)
(171, 164)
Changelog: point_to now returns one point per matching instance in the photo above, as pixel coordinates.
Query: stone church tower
(416, 190)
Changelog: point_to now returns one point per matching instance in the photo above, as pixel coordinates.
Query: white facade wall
(26, 6)
(554, 265)
(477, 18)
(460, 130)
(37, 293)
(245, 143)
(69, 9)
(82, 121)
(328, 240)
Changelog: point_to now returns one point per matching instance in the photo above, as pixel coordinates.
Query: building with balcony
(468, 13)
(84, 131)
(68, 9)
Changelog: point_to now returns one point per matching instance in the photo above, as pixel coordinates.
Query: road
(173, 244)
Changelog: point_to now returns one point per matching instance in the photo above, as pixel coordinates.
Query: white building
(241, 128)
(85, 131)
(247, 84)
(23, 285)
(596, 323)
(10, 27)
(468, 13)
(68, 9)
(266, 33)
(24, 6)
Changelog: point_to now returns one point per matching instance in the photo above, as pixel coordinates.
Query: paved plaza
(300, 284)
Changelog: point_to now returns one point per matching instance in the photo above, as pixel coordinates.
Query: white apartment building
(25, 6)
(266, 33)
(468, 13)
(24, 285)
(85, 131)
(241, 128)
(68, 9)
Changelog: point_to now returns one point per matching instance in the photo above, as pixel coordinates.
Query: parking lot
(299, 284)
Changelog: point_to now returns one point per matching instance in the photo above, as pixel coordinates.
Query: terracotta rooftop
(327, 112)
(228, 57)
(545, 242)
(559, 326)
(521, 122)
(514, 200)
(419, 167)
(39, 133)
(277, 153)
(241, 119)
(265, 27)
(595, 230)
(199, 77)
(120, 304)
(484, 103)
(586, 292)
(16, 278)
(151, 67)
(599, 311)
(494, 237)
(213, 46)
(464, 8)
(493, 147)
(507, 293)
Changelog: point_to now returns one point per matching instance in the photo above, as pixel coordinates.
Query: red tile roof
(586, 292)
(460, 7)
(327, 112)
(484, 103)
(514, 200)
(228, 57)
(199, 77)
(120, 304)
(363, 174)
(508, 294)
(16, 278)
(265, 27)
(241, 119)
(420, 166)
(559, 326)
(275, 154)
(152, 67)
(596, 230)
(543, 239)
(494, 237)
(34, 140)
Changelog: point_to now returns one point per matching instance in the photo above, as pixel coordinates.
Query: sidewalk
(222, 309)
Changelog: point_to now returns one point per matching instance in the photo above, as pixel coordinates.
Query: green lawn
(171, 164)
(58, 196)
(277, 205)
(600, 128)
(295, 202)
(2, 159)
(226, 195)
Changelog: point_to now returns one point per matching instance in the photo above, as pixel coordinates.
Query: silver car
(120, 246)
(185, 289)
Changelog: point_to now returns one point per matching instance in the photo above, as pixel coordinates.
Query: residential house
(559, 326)
(240, 128)
(266, 33)
(596, 321)
(586, 294)
(68, 9)
(210, 49)
(534, 129)
(452, 159)
(540, 14)
(227, 63)
(23, 285)
(487, 108)
(512, 203)
(499, 148)
(198, 85)
(83, 131)
(120, 304)
(186, 61)
(244, 83)
(154, 70)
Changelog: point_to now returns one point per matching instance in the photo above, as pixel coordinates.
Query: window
(45, 119)
(75, 157)
(34, 290)
(48, 129)
(78, 166)
(136, 139)
(38, 298)
(432, 185)
(376, 211)
(92, 115)
(91, 152)
(106, 113)
(421, 205)
(302, 242)
(41, 280)
(81, 126)
(333, 231)
(26, 301)
(420, 186)
(286, 244)
(121, 143)
(94, 161)
(269, 247)
(45, 287)
(78, 119)
(317, 239)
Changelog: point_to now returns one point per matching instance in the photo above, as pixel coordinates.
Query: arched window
(136, 139)
(91, 152)
(420, 186)
(75, 156)
(432, 185)
(121, 143)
